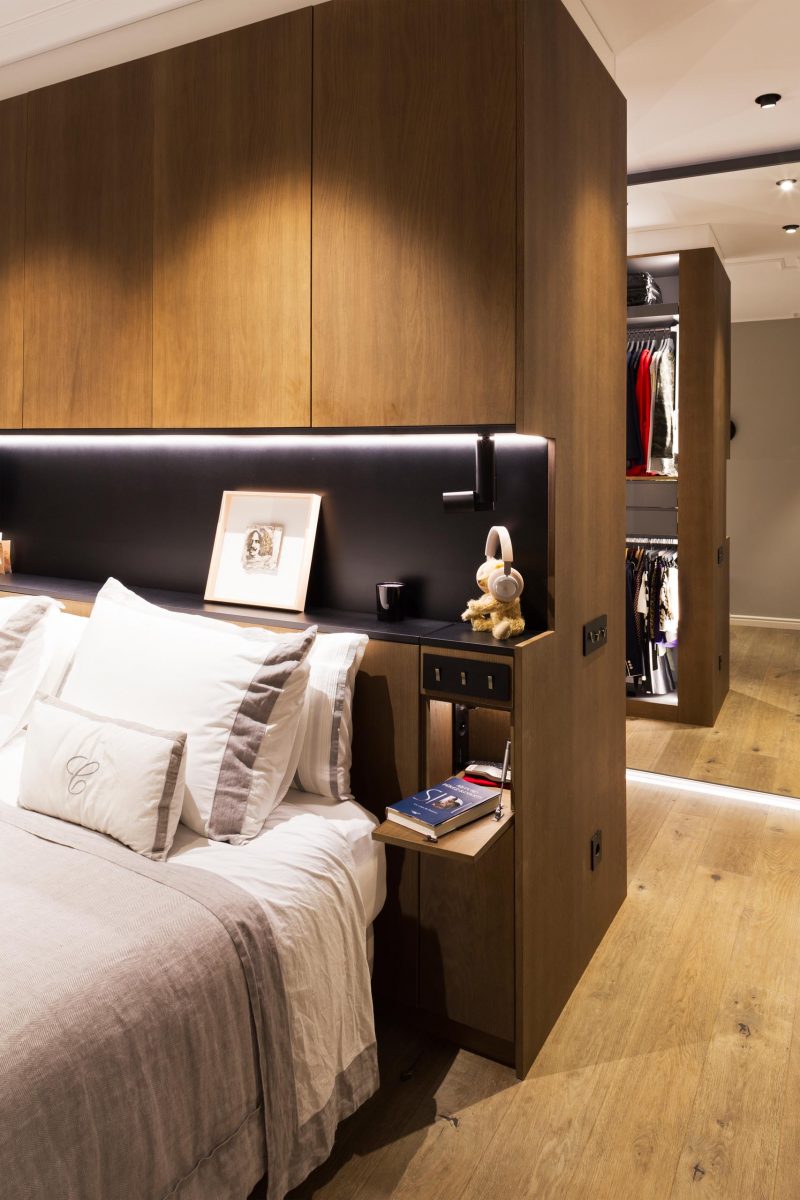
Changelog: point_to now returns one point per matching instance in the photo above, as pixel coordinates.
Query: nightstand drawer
(472, 678)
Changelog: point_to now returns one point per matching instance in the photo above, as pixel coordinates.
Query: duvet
(164, 1033)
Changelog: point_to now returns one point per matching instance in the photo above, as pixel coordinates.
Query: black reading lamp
(482, 499)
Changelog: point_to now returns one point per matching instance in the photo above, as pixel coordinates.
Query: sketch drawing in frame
(263, 549)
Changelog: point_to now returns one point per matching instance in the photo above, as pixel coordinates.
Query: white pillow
(326, 755)
(24, 656)
(238, 693)
(63, 635)
(121, 779)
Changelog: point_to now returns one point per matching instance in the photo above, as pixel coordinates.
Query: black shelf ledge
(455, 636)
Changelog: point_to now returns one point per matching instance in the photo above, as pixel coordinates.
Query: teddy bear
(502, 617)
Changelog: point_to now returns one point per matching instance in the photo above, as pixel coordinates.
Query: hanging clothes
(651, 625)
(651, 420)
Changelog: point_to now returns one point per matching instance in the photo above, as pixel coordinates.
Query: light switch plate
(595, 635)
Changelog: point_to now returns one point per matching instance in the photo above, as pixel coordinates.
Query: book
(438, 810)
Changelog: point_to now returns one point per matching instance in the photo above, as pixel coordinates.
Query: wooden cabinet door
(12, 258)
(414, 229)
(88, 252)
(233, 228)
(466, 915)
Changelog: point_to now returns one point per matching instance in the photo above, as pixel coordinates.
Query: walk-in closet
(677, 556)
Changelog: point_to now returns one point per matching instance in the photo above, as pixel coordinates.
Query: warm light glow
(260, 439)
(787, 185)
(791, 228)
(716, 790)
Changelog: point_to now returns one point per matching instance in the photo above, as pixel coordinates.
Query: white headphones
(505, 585)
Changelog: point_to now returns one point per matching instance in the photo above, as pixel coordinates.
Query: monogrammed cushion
(238, 693)
(121, 779)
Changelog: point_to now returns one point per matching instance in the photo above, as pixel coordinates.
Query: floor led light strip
(718, 790)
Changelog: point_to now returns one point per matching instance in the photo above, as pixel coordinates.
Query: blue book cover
(434, 806)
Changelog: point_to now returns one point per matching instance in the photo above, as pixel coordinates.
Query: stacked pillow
(237, 693)
(323, 767)
(26, 632)
(162, 717)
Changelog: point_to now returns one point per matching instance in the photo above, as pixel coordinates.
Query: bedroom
(311, 491)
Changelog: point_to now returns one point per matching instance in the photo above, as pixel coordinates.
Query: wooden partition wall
(460, 176)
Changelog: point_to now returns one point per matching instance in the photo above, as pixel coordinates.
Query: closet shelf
(643, 314)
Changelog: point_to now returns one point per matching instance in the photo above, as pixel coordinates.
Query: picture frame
(263, 549)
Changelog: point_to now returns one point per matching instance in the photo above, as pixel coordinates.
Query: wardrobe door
(12, 258)
(88, 252)
(414, 232)
(233, 228)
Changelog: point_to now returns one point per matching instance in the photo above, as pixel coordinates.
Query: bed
(185, 1028)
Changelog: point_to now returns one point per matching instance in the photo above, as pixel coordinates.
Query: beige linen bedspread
(146, 1028)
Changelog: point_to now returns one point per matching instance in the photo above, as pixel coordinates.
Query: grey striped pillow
(326, 756)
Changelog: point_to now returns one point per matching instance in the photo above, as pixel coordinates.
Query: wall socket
(595, 635)
(596, 848)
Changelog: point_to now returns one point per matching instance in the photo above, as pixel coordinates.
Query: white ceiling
(743, 212)
(745, 209)
(691, 70)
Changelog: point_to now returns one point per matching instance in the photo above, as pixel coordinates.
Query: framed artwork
(263, 548)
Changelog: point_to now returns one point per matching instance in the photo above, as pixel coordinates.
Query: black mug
(390, 602)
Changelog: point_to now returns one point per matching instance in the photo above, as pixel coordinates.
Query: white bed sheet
(250, 861)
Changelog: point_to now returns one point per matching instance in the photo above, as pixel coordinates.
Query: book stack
(438, 810)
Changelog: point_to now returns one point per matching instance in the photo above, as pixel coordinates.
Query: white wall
(764, 471)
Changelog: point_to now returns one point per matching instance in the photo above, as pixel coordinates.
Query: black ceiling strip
(719, 167)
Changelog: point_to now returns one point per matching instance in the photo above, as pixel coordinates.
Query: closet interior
(677, 446)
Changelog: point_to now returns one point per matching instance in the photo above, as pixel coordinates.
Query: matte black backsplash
(144, 508)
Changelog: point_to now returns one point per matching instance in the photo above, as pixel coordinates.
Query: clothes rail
(639, 331)
(651, 541)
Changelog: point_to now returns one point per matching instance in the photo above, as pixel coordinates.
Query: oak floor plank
(648, 1086)
(733, 1134)
(756, 740)
(470, 1107)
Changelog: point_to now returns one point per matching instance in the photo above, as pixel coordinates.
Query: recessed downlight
(787, 185)
(791, 228)
(768, 99)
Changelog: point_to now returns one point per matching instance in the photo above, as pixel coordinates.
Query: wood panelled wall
(12, 259)
(88, 338)
(414, 212)
(233, 228)
(702, 501)
(167, 209)
(162, 211)
(571, 748)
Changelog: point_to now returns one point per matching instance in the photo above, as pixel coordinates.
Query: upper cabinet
(414, 229)
(232, 286)
(351, 215)
(89, 251)
(12, 258)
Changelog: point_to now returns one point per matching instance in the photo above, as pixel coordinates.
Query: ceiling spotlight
(791, 228)
(787, 185)
(768, 100)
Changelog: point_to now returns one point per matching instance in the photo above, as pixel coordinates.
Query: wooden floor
(756, 741)
(674, 1070)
